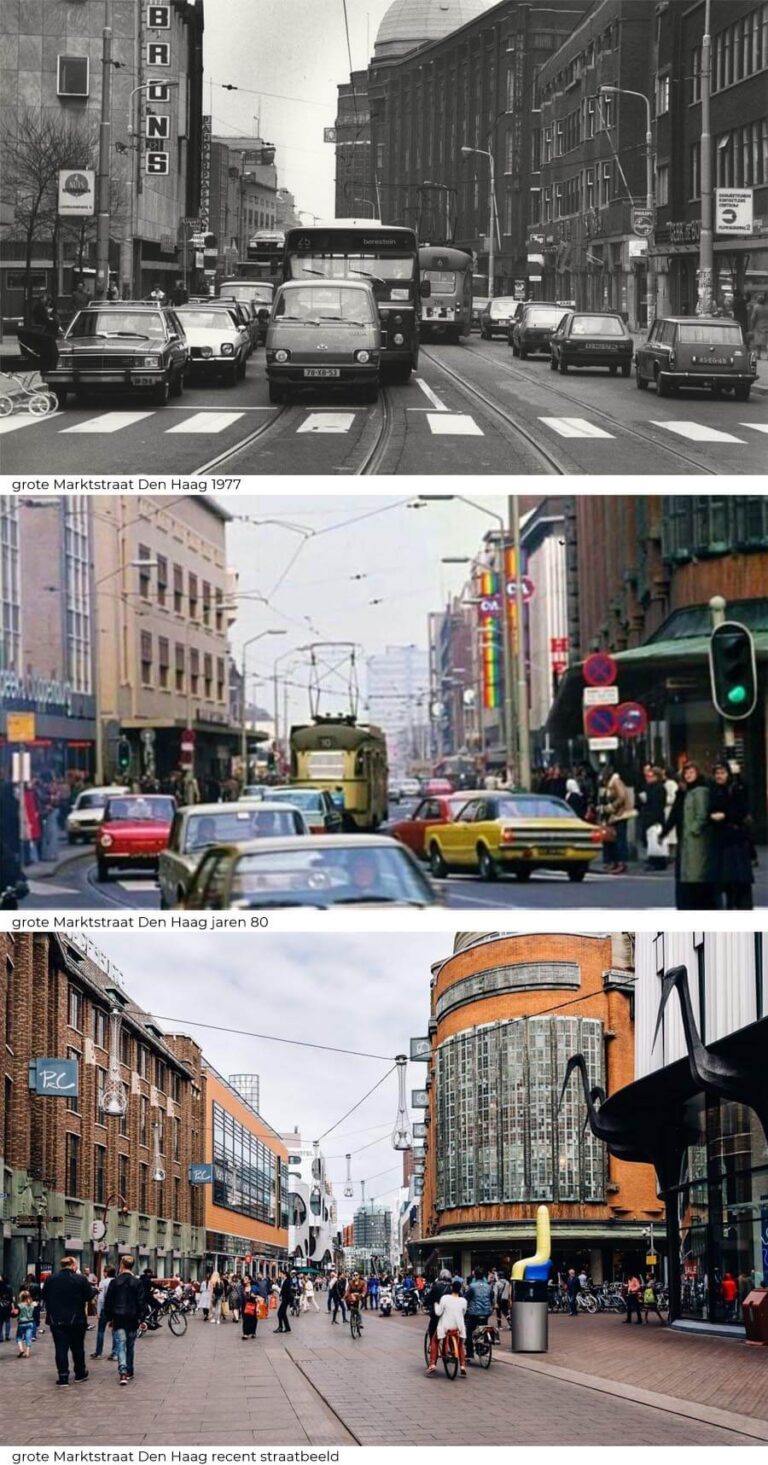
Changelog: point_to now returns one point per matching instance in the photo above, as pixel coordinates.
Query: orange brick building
(507, 1012)
(246, 1206)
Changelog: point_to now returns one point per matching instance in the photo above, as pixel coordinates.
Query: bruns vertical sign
(157, 125)
(205, 174)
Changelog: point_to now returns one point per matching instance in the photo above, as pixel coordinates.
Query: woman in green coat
(689, 817)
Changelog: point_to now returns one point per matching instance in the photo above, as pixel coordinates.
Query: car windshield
(709, 335)
(144, 324)
(501, 307)
(522, 807)
(140, 808)
(382, 267)
(597, 325)
(206, 319)
(92, 801)
(443, 282)
(236, 826)
(302, 798)
(543, 315)
(336, 876)
(324, 302)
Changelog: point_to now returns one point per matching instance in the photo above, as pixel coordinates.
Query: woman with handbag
(249, 1308)
(616, 810)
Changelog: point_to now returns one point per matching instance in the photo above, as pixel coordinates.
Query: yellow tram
(338, 754)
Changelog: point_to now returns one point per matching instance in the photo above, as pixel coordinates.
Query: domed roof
(411, 23)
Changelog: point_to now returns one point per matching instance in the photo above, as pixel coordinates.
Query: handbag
(250, 1308)
(609, 833)
(656, 846)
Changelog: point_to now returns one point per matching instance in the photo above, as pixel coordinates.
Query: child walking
(26, 1324)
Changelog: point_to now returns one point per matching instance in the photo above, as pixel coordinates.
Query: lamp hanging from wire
(349, 1189)
(114, 1099)
(402, 1134)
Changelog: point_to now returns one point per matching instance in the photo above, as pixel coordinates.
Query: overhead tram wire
(360, 1102)
(272, 1038)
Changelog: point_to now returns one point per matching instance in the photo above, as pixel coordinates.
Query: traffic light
(124, 755)
(733, 671)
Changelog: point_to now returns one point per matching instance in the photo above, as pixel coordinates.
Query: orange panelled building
(506, 1014)
(246, 1205)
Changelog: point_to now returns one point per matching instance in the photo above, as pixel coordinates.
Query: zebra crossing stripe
(109, 422)
(12, 424)
(208, 422)
(696, 432)
(574, 427)
(756, 426)
(453, 424)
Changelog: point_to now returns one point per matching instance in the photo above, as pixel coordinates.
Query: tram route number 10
(156, 162)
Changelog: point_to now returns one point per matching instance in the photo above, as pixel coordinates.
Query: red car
(435, 786)
(439, 808)
(134, 830)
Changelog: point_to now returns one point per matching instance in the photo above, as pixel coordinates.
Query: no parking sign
(600, 722)
(599, 670)
(632, 719)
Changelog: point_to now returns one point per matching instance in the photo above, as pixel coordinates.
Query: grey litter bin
(530, 1317)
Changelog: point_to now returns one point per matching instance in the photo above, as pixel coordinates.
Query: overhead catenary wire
(360, 1102)
(273, 1038)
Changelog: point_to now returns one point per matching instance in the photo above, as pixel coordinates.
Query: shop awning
(612, 1227)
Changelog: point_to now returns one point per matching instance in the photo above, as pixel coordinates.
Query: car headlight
(105, 840)
(399, 338)
(282, 356)
(227, 349)
(363, 357)
(150, 361)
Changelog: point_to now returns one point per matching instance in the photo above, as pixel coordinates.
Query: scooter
(385, 1302)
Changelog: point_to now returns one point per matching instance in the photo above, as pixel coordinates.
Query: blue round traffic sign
(599, 670)
(600, 722)
(632, 719)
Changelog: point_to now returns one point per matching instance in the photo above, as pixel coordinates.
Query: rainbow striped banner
(488, 590)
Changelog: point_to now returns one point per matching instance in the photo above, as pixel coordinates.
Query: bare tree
(34, 149)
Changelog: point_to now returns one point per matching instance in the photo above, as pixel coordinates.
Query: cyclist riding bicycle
(354, 1296)
(451, 1310)
(439, 1288)
(479, 1306)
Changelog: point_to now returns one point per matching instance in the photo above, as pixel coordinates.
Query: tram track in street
(553, 464)
(556, 390)
(259, 433)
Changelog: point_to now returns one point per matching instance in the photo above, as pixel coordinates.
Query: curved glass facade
(523, 976)
(500, 1134)
(718, 1216)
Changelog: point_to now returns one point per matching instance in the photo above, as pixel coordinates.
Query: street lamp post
(705, 302)
(244, 722)
(105, 159)
(650, 201)
(486, 153)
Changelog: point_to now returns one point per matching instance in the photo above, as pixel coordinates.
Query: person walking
(101, 1321)
(690, 820)
(503, 1298)
(25, 1327)
(758, 326)
(6, 1309)
(122, 1308)
(204, 1299)
(634, 1291)
(337, 1295)
(248, 1304)
(572, 1288)
(66, 1295)
(330, 1284)
(373, 1291)
(617, 812)
(731, 842)
(286, 1298)
(217, 1297)
(233, 1300)
(651, 1299)
(451, 1312)
(309, 1295)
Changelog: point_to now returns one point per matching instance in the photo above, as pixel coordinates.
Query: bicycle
(355, 1322)
(483, 1340)
(34, 396)
(449, 1352)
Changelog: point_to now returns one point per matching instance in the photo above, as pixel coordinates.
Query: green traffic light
(737, 695)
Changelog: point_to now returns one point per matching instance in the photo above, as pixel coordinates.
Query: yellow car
(520, 832)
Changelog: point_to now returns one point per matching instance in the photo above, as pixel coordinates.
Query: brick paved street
(318, 1387)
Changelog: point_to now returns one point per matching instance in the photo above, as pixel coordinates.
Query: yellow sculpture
(537, 1267)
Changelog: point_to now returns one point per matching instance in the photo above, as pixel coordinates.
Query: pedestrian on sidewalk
(309, 1296)
(732, 840)
(336, 1297)
(286, 1298)
(615, 812)
(329, 1289)
(101, 1326)
(373, 1292)
(122, 1308)
(248, 1306)
(204, 1299)
(758, 327)
(634, 1292)
(217, 1297)
(6, 1308)
(690, 820)
(25, 1326)
(66, 1296)
(233, 1300)
(573, 1288)
(651, 1299)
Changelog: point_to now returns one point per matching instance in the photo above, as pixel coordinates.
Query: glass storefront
(720, 1212)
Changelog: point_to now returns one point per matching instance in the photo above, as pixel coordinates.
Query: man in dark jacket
(479, 1306)
(286, 1298)
(123, 1303)
(66, 1296)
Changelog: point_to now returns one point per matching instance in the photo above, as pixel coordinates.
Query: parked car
(358, 869)
(324, 333)
(87, 812)
(197, 827)
(438, 809)
(259, 294)
(123, 346)
(217, 342)
(248, 316)
(521, 832)
(532, 328)
(133, 832)
(701, 352)
(438, 786)
(318, 806)
(479, 303)
(496, 316)
(591, 338)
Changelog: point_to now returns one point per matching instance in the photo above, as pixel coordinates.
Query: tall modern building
(698, 1110)
(372, 1236)
(397, 701)
(247, 1085)
(503, 1135)
(313, 1222)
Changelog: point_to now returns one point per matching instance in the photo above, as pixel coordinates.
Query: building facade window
(122, 1177)
(100, 1024)
(10, 598)
(75, 1009)
(178, 589)
(77, 580)
(99, 1174)
(143, 1120)
(179, 667)
(662, 185)
(143, 1189)
(73, 1103)
(146, 658)
(162, 579)
(72, 76)
(72, 1164)
(502, 1135)
(245, 1170)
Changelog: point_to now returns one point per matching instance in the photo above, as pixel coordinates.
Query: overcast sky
(364, 992)
(287, 57)
(315, 596)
